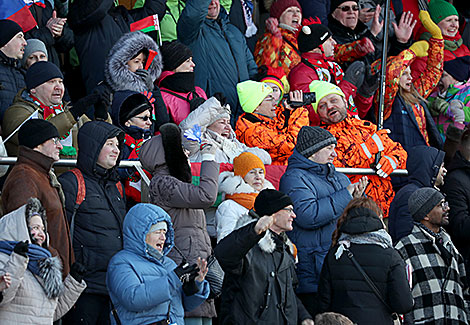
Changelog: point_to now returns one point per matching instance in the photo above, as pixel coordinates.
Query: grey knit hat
(422, 201)
(313, 138)
(34, 45)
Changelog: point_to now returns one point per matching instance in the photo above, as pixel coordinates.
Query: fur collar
(50, 276)
(116, 72)
(231, 184)
(266, 244)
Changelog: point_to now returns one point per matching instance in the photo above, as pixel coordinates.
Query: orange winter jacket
(272, 134)
(350, 133)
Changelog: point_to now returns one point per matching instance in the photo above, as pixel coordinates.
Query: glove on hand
(101, 107)
(146, 77)
(272, 26)
(355, 73)
(456, 107)
(77, 271)
(386, 166)
(208, 148)
(370, 85)
(430, 25)
(420, 48)
(438, 106)
(186, 272)
(374, 144)
(190, 288)
(82, 105)
(22, 248)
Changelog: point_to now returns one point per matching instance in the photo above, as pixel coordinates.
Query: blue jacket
(423, 166)
(219, 49)
(142, 287)
(319, 195)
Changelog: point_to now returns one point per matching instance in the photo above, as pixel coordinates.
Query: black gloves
(221, 98)
(101, 106)
(355, 73)
(370, 85)
(22, 248)
(146, 77)
(83, 104)
(190, 288)
(77, 271)
(186, 272)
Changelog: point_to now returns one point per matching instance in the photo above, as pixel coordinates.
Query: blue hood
(137, 224)
(423, 165)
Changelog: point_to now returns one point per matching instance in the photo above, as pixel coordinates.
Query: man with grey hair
(438, 272)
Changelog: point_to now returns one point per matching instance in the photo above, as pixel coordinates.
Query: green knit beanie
(251, 94)
(440, 10)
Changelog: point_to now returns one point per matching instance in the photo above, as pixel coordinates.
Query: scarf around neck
(379, 237)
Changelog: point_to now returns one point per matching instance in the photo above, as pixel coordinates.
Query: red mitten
(272, 26)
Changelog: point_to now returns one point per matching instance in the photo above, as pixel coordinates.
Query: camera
(307, 99)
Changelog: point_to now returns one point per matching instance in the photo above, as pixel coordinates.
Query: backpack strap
(81, 193)
(174, 94)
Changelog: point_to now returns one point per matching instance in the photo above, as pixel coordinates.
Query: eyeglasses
(56, 141)
(444, 205)
(144, 118)
(290, 210)
(347, 8)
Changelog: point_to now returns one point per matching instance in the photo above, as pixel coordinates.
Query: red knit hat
(279, 6)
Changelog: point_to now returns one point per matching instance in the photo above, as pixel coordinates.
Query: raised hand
(377, 25)
(405, 27)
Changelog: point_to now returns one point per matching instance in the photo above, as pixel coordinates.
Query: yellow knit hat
(322, 89)
(251, 94)
(246, 162)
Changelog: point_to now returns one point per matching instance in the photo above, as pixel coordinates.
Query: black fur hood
(116, 72)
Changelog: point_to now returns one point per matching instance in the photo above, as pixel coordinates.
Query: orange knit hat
(246, 162)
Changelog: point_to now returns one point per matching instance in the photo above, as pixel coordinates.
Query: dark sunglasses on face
(143, 118)
(347, 8)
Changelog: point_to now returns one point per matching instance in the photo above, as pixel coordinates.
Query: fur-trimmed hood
(231, 184)
(266, 243)
(116, 71)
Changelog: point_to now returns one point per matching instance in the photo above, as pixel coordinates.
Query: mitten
(370, 85)
(365, 46)
(374, 144)
(386, 166)
(22, 248)
(272, 26)
(420, 48)
(355, 73)
(430, 25)
(438, 106)
(456, 107)
(208, 150)
(82, 105)
(146, 77)
(77, 271)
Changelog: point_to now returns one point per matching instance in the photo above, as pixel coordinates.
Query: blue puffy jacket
(141, 286)
(319, 195)
(219, 49)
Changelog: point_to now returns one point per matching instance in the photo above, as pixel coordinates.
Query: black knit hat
(270, 201)
(458, 68)
(132, 106)
(8, 30)
(422, 201)
(313, 138)
(35, 132)
(312, 36)
(336, 3)
(174, 54)
(41, 72)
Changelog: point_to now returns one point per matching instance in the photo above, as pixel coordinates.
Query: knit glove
(82, 105)
(456, 107)
(386, 166)
(272, 26)
(190, 287)
(22, 248)
(374, 144)
(355, 73)
(438, 106)
(78, 271)
(208, 151)
(429, 24)
(186, 272)
(420, 48)
(104, 102)
(146, 77)
(370, 85)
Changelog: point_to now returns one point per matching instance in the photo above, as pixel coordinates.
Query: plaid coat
(436, 287)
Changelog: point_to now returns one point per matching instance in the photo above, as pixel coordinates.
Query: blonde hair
(411, 97)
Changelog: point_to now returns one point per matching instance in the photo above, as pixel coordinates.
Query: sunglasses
(347, 8)
(144, 118)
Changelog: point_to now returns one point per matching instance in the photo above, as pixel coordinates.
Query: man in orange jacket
(358, 143)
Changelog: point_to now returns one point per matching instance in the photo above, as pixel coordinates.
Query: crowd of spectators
(235, 115)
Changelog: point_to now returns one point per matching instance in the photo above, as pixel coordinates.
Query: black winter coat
(11, 81)
(97, 25)
(344, 290)
(423, 166)
(457, 190)
(98, 220)
(259, 279)
(61, 44)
